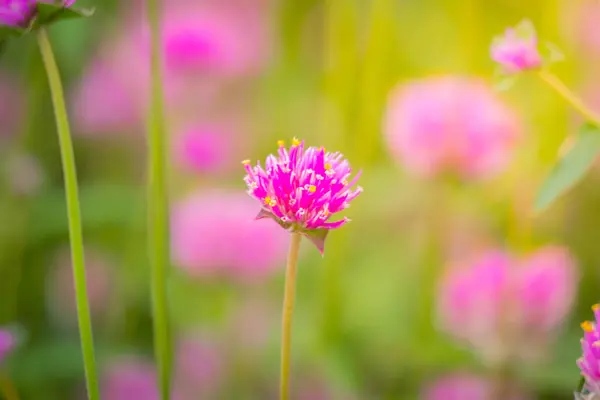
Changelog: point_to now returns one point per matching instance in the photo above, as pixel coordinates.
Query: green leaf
(571, 168)
(51, 13)
(6, 32)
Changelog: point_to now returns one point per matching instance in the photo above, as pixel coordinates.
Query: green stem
(7, 388)
(559, 86)
(73, 212)
(158, 208)
(287, 315)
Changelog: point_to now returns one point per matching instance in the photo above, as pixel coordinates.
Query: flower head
(507, 308)
(20, 13)
(7, 343)
(301, 189)
(450, 124)
(589, 363)
(517, 49)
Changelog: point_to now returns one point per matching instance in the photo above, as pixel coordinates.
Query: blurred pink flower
(19, 13)
(11, 105)
(517, 49)
(301, 189)
(99, 285)
(198, 369)
(450, 125)
(7, 343)
(214, 233)
(581, 20)
(103, 103)
(589, 362)
(461, 386)
(203, 149)
(506, 308)
(130, 378)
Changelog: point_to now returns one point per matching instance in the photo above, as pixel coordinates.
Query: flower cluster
(589, 363)
(301, 189)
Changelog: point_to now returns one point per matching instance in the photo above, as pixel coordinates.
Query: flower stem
(287, 315)
(559, 86)
(74, 215)
(158, 208)
(7, 388)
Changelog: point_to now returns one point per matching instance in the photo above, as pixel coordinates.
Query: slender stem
(73, 212)
(287, 315)
(7, 388)
(567, 94)
(158, 208)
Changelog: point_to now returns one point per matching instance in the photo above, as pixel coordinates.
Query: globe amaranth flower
(301, 189)
(20, 13)
(508, 308)
(517, 49)
(589, 363)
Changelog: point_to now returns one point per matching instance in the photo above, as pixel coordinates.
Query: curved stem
(559, 86)
(73, 212)
(158, 208)
(287, 315)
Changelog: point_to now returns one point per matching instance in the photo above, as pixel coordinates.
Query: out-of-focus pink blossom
(589, 362)
(103, 102)
(203, 149)
(99, 285)
(11, 105)
(517, 49)
(450, 124)
(7, 343)
(130, 378)
(507, 308)
(302, 189)
(198, 369)
(581, 20)
(214, 233)
(462, 386)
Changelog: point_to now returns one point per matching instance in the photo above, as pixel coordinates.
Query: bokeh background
(450, 167)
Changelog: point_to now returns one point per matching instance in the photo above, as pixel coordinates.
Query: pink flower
(7, 343)
(461, 386)
(19, 13)
(128, 379)
(213, 232)
(302, 189)
(103, 102)
(505, 308)
(198, 369)
(517, 50)
(203, 149)
(450, 125)
(589, 363)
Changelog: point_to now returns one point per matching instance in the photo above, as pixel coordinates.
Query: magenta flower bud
(517, 49)
(20, 13)
(508, 309)
(450, 125)
(589, 363)
(302, 189)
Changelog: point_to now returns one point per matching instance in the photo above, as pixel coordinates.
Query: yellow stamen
(587, 326)
(312, 188)
(327, 166)
(596, 307)
(295, 141)
(246, 162)
(267, 200)
(280, 143)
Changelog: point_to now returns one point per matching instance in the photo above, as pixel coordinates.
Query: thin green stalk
(288, 314)
(7, 388)
(74, 214)
(558, 85)
(158, 208)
